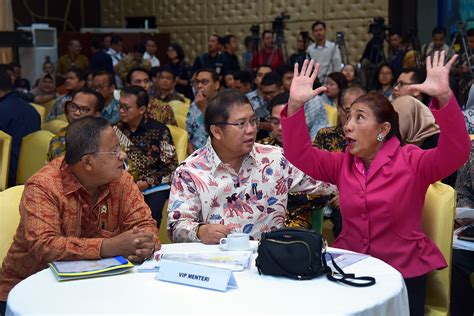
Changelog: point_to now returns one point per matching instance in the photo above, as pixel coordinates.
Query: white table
(140, 293)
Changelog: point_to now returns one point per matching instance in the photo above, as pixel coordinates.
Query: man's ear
(142, 109)
(87, 163)
(216, 132)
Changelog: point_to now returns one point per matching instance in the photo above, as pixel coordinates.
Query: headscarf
(416, 121)
(38, 89)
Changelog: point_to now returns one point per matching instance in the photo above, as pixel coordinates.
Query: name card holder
(196, 275)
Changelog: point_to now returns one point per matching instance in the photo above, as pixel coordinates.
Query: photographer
(324, 52)
(269, 54)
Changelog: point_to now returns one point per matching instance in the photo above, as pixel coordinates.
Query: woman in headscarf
(45, 91)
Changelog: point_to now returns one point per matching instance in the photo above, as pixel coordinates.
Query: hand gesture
(136, 245)
(212, 233)
(301, 89)
(437, 78)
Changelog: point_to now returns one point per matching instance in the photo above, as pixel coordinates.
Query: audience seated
(335, 83)
(131, 61)
(385, 80)
(45, 91)
(103, 82)
(20, 83)
(232, 184)
(73, 59)
(84, 102)
(80, 207)
(243, 81)
(148, 145)
(352, 77)
(408, 77)
(150, 53)
(207, 84)
(462, 290)
(286, 73)
(17, 118)
(181, 69)
(100, 60)
(158, 111)
(75, 79)
(213, 58)
(382, 185)
(166, 86)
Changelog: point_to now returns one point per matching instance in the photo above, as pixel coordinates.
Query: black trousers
(416, 288)
(462, 292)
(3, 307)
(156, 201)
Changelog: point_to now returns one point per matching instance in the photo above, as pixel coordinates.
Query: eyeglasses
(116, 153)
(102, 87)
(204, 82)
(254, 122)
(401, 84)
(274, 120)
(124, 107)
(73, 107)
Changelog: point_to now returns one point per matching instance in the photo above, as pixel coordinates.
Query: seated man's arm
(305, 184)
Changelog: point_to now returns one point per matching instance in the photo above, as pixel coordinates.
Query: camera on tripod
(278, 24)
(255, 30)
(378, 27)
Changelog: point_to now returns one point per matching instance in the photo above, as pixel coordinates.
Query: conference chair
(163, 234)
(179, 108)
(180, 140)
(33, 151)
(48, 105)
(54, 126)
(5, 150)
(438, 223)
(41, 111)
(331, 114)
(9, 217)
(181, 120)
(61, 117)
(187, 101)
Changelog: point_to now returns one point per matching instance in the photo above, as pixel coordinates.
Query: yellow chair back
(331, 114)
(163, 233)
(9, 217)
(179, 108)
(33, 151)
(180, 140)
(49, 105)
(5, 150)
(41, 111)
(61, 117)
(54, 126)
(181, 121)
(187, 101)
(438, 221)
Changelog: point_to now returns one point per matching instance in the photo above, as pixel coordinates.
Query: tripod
(465, 51)
(465, 78)
(280, 44)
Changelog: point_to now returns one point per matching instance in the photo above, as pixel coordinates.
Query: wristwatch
(150, 181)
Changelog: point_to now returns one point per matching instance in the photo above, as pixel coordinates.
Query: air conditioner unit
(45, 47)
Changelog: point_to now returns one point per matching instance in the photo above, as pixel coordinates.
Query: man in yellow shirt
(73, 58)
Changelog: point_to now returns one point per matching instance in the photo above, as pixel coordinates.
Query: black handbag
(300, 254)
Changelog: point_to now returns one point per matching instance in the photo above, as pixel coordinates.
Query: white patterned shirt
(207, 191)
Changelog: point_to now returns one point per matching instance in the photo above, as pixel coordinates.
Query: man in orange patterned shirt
(82, 206)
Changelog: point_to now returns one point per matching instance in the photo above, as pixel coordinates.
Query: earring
(380, 137)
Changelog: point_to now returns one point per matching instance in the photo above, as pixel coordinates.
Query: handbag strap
(341, 276)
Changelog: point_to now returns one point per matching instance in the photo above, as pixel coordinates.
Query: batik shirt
(57, 145)
(253, 200)
(111, 112)
(330, 139)
(315, 114)
(173, 96)
(58, 107)
(197, 134)
(161, 112)
(151, 154)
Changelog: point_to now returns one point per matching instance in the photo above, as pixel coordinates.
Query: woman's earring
(380, 137)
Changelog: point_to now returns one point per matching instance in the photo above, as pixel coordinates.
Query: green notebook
(73, 270)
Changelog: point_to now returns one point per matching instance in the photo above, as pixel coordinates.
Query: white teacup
(235, 241)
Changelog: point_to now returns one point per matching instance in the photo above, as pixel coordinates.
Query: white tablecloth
(140, 293)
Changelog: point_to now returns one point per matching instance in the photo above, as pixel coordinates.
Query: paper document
(344, 259)
(464, 212)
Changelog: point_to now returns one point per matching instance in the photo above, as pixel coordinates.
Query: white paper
(464, 212)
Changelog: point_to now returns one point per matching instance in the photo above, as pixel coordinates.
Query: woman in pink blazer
(382, 184)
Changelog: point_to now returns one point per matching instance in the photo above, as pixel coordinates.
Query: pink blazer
(381, 211)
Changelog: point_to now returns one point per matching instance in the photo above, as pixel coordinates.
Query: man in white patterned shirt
(233, 184)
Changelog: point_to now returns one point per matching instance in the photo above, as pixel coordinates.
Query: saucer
(252, 247)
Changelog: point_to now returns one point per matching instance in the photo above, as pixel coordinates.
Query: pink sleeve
(298, 149)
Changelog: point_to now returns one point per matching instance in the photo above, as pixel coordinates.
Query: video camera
(255, 29)
(378, 27)
(278, 24)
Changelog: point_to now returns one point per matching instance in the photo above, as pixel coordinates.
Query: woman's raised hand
(436, 84)
(301, 89)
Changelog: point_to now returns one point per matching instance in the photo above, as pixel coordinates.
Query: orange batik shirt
(59, 221)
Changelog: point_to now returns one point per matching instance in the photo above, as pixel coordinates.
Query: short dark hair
(214, 75)
(419, 75)
(283, 69)
(351, 89)
(470, 32)
(139, 92)
(271, 78)
(83, 137)
(167, 68)
(154, 71)
(265, 32)
(439, 30)
(110, 76)
(383, 111)
(280, 99)
(96, 43)
(263, 66)
(339, 79)
(128, 79)
(81, 75)
(99, 99)
(116, 39)
(243, 76)
(139, 48)
(317, 22)
(179, 50)
(226, 39)
(6, 83)
(219, 106)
